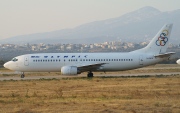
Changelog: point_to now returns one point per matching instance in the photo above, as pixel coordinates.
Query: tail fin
(159, 43)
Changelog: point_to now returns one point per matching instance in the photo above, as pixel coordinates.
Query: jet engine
(69, 70)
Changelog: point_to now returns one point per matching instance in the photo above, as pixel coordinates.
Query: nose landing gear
(22, 75)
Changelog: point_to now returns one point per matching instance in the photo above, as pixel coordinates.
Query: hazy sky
(19, 17)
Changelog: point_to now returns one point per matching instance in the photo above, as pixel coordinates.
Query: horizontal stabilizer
(164, 55)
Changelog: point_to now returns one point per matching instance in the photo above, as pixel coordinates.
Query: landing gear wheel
(22, 75)
(90, 74)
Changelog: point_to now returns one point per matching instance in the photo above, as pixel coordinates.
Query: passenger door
(26, 60)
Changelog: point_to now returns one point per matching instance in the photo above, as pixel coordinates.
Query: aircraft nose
(6, 65)
(178, 61)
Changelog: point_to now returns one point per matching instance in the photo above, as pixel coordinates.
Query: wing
(91, 67)
(164, 55)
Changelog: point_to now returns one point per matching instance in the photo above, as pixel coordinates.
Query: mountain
(137, 26)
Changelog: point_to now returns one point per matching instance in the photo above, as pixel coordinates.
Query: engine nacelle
(69, 70)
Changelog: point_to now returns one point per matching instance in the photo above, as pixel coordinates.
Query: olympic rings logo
(162, 39)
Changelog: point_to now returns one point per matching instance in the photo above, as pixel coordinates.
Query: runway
(160, 69)
(3, 78)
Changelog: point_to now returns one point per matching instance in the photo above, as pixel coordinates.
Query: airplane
(77, 63)
(178, 61)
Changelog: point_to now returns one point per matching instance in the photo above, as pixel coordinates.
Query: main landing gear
(90, 74)
(22, 75)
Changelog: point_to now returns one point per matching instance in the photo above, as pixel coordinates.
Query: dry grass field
(156, 94)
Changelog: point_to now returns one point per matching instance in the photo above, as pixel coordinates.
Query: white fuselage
(53, 62)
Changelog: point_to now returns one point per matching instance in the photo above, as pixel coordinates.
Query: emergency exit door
(141, 60)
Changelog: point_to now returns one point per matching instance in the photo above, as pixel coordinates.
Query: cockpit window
(14, 59)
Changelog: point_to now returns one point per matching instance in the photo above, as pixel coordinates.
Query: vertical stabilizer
(159, 43)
